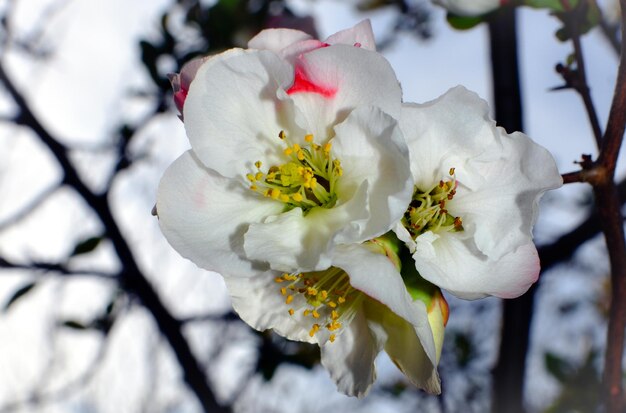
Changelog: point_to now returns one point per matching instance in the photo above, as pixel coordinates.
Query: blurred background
(98, 314)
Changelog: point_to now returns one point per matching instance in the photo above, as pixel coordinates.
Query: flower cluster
(335, 212)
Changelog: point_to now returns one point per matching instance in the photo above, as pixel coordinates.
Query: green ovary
(427, 211)
(307, 180)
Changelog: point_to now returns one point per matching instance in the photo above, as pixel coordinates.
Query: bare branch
(29, 208)
(58, 268)
(607, 200)
(132, 279)
(65, 391)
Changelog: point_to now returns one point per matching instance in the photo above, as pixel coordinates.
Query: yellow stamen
(308, 138)
(289, 299)
(314, 330)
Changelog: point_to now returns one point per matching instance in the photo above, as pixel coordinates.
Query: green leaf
(554, 5)
(559, 368)
(463, 348)
(86, 246)
(74, 325)
(463, 22)
(19, 293)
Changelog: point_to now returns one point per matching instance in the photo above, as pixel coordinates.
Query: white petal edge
(232, 112)
(377, 277)
(360, 34)
(259, 303)
(459, 267)
(350, 359)
(276, 40)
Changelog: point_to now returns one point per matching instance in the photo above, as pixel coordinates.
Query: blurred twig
(132, 278)
(508, 372)
(26, 210)
(58, 268)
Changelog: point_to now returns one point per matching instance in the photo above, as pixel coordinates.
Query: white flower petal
(331, 81)
(291, 241)
(260, 304)
(459, 267)
(445, 133)
(503, 211)
(350, 359)
(404, 347)
(500, 176)
(277, 39)
(377, 277)
(371, 149)
(203, 216)
(232, 112)
(361, 35)
(373, 193)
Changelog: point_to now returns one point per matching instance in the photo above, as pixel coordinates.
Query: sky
(82, 89)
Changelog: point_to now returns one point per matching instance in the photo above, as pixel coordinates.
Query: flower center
(326, 296)
(307, 180)
(427, 211)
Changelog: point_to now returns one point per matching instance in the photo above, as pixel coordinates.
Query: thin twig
(58, 268)
(25, 211)
(572, 24)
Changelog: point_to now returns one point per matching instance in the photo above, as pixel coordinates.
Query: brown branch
(607, 200)
(566, 245)
(132, 279)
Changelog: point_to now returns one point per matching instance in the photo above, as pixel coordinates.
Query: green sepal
(464, 22)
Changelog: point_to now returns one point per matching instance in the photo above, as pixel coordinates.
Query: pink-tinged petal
(203, 216)
(458, 266)
(232, 113)
(181, 81)
(276, 40)
(361, 35)
(375, 275)
(296, 50)
(258, 301)
(350, 358)
(303, 84)
(347, 77)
